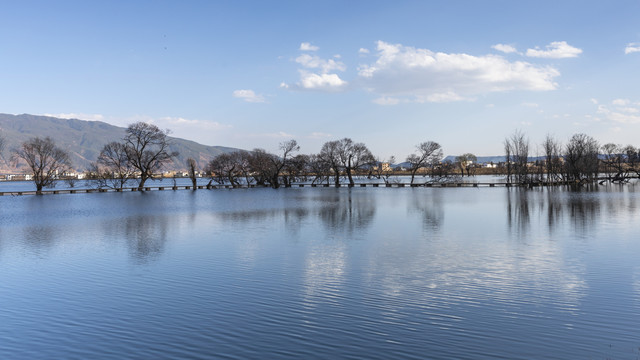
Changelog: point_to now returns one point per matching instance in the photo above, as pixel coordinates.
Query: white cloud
(620, 114)
(620, 102)
(555, 50)
(507, 49)
(594, 101)
(305, 46)
(632, 48)
(182, 122)
(318, 74)
(330, 82)
(429, 76)
(385, 100)
(531, 105)
(363, 51)
(249, 96)
(448, 96)
(319, 135)
(79, 116)
(315, 62)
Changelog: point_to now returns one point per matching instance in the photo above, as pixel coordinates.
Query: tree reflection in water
(430, 207)
(345, 213)
(146, 236)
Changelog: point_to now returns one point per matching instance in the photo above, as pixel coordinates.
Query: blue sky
(252, 74)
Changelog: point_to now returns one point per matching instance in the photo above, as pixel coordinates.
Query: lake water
(326, 273)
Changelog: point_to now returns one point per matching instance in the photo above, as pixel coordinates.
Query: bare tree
(113, 168)
(552, 158)
(296, 169)
(383, 169)
(147, 149)
(632, 157)
(279, 163)
(259, 161)
(429, 152)
(192, 169)
(353, 157)
(614, 162)
(45, 159)
(319, 168)
(225, 168)
(329, 156)
(517, 149)
(507, 158)
(466, 162)
(581, 158)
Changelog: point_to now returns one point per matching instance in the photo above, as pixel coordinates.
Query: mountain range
(84, 140)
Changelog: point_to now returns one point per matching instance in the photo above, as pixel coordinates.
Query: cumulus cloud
(315, 62)
(631, 48)
(363, 51)
(430, 76)
(555, 50)
(507, 49)
(248, 96)
(318, 73)
(305, 46)
(329, 82)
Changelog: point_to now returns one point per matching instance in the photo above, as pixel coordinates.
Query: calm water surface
(375, 273)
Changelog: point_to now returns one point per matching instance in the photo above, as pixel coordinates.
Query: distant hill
(84, 140)
(481, 159)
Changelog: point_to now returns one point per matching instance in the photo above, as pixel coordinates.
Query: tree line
(145, 150)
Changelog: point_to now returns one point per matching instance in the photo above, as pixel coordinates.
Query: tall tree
(225, 168)
(278, 163)
(581, 158)
(552, 158)
(632, 157)
(147, 149)
(429, 152)
(113, 167)
(353, 157)
(329, 158)
(45, 160)
(517, 156)
(192, 169)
